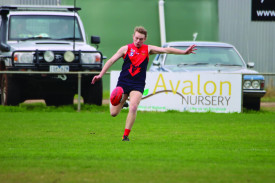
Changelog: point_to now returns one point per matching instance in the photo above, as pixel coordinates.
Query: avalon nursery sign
(193, 92)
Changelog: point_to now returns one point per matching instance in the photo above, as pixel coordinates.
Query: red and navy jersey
(135, 65)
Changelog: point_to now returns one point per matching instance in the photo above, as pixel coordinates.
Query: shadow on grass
(42, 107)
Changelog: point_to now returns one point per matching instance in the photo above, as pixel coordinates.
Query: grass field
(42, 144)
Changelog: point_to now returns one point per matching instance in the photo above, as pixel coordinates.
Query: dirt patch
(105, 101)
(33, 101)
(268, 104)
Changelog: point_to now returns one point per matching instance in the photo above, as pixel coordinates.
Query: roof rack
(38, 8)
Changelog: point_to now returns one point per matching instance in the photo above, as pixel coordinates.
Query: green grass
(42, 144)
(105, 95)
(268, 99)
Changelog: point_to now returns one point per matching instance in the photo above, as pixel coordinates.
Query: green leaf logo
(146, 91)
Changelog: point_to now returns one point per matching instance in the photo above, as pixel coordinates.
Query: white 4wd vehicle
(48, 39)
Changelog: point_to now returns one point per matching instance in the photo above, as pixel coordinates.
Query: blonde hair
(141, 30)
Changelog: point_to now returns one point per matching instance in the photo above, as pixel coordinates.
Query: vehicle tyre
(252, 103)
(2, 68)
(59, 100)
(10, 91)
(0, 96)
(92, 93)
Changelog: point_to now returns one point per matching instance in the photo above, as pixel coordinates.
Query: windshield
(206, 55)
(43, 27)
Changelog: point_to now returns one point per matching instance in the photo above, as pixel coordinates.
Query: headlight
(252, 84)
(246, 85)
(23, 57)
(256, 84)
(48, 56)
(69, 56)
(87, 58)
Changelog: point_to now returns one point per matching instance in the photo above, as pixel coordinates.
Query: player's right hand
(95, 79)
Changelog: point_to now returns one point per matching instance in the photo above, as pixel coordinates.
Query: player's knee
(133, 108)
(114, 113)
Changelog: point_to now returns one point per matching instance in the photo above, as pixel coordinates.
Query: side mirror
(250, 64)
(156, 63)
(95, 39)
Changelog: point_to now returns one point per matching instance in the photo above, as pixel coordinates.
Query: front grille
(58, 58)
(39, 63)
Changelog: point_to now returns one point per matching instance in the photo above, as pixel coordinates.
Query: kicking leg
(115, 110)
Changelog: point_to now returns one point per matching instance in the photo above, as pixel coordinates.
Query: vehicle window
(53, 27)
(208, 55)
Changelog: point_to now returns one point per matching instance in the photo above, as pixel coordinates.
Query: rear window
(209, 55)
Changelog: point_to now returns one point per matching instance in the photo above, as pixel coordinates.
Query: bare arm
(120, 53)
(170, 50)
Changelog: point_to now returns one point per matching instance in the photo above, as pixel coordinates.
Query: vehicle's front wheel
(10, 91)
(253, 103)
(0, 96)
(92, 93)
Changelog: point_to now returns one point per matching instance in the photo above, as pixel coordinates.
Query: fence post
(79, 92)
(242, 93)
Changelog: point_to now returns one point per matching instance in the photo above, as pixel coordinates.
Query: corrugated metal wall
(30, 2)
(255, 40)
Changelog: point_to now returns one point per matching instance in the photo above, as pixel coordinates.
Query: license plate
(59, 68)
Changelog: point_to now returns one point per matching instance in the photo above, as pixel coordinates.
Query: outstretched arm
(110, 62)
(170, 50)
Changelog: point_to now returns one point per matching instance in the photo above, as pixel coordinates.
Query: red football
(116, 96)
